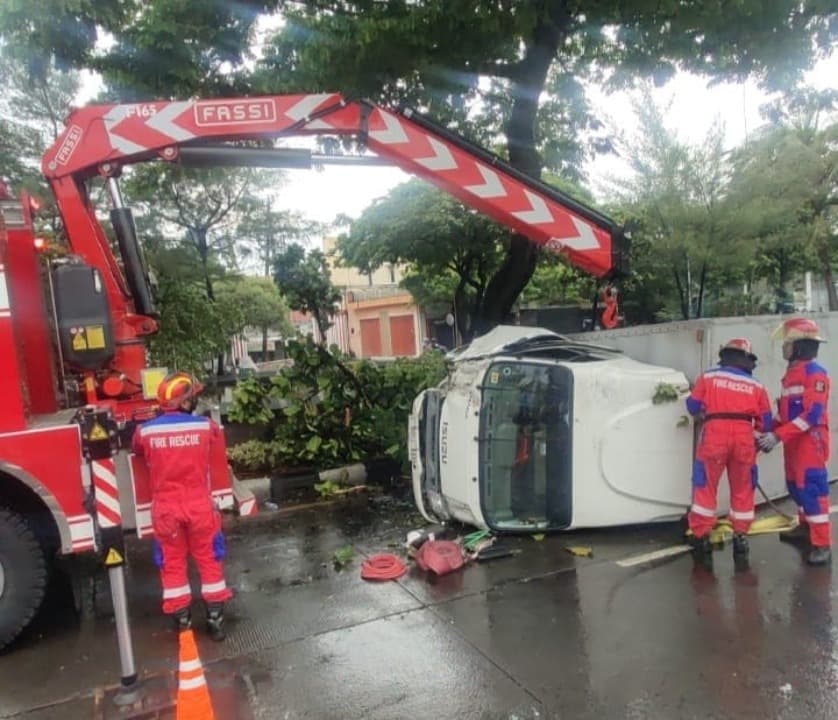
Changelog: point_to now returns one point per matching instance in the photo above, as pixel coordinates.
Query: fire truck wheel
(23, 575)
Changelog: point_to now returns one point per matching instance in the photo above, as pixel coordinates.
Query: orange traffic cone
(193, 700)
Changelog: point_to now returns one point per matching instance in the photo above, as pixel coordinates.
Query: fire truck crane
(73, 329)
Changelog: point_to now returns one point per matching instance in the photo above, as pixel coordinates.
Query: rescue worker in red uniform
(176, 446)
(803, 428)
(610, 317)
(729, 403)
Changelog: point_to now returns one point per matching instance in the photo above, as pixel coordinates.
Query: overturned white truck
(534, 431)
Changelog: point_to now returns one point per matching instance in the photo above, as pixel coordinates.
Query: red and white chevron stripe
(117, 134)
(106, 494)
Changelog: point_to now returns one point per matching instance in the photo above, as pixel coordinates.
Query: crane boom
(99, 140)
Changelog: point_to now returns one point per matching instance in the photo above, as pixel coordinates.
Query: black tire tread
(33, 548)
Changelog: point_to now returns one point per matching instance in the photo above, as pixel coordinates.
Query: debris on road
(477, 540)
(343, 556)
(440, 556)
(580, 550)
(416, 538)
(495, 552)
(335, 486)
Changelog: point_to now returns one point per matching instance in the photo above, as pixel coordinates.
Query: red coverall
(176, 447)
(609, 317)
(733, 403)
(804, 431)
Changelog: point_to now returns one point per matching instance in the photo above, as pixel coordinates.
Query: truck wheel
(23, 575)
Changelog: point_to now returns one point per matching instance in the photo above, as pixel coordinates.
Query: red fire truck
(72, 327)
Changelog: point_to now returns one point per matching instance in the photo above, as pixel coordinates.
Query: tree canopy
(510, 74)
(303, 278)
(784, 192)
(433, 54)
(153, 48)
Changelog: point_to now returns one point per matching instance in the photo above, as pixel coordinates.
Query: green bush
(252, 456)
(325, 411)
(392, 388)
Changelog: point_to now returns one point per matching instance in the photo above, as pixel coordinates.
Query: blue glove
(219, 548)
(157, 554)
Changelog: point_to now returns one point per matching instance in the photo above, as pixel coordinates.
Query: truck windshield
(525, 449)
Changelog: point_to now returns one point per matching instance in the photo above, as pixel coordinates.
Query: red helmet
(176, 389)
(742, 345)
(799, 329)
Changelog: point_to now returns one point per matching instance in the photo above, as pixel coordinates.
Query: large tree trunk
(202, 246)
(519, 264)
(322, 327)
(682, 297)
(702, 281)
(826, 272)
(461, 313)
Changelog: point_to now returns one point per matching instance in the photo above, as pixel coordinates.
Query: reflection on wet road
(540, 635)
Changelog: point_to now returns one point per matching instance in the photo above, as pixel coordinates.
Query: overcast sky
(693, 108)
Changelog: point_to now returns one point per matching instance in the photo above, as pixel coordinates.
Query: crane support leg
(129, 691)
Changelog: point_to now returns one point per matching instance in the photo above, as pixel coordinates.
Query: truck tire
(23, 575)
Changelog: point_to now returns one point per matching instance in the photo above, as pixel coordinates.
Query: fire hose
(383, 567)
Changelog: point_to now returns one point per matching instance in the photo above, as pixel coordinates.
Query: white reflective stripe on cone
(817, 518)
(190, 665)
(171, 593)
(699, 510)
(192, 683)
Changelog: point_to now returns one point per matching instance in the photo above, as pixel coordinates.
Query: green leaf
(343, 556)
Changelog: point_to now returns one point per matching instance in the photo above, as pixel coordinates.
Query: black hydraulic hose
(129, 248)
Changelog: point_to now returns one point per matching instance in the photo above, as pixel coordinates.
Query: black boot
(741, 549)
(182, 619)
(215, 622)
(819, 556)
(796, 536)
(703, 552)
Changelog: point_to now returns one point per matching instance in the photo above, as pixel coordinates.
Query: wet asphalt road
(541, 635)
